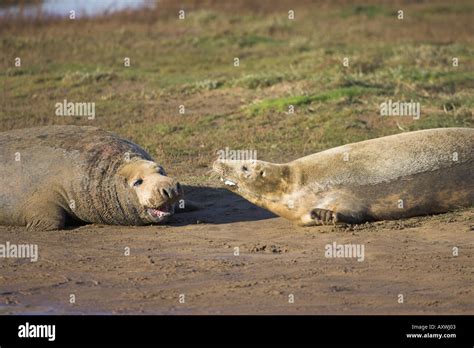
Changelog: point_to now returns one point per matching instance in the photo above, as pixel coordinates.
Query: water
(82, 8)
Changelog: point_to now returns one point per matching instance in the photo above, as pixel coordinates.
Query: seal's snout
(225, 171)
(166, 193)
(172, 191)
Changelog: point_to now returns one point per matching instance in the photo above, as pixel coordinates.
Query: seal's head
(153, 191)
(254, 180)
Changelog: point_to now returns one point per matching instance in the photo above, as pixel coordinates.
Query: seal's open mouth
(230, 183)
(162, 212)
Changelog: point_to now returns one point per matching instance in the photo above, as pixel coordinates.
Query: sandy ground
(277, 262)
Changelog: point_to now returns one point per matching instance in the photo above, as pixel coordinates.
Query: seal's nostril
(165, 193)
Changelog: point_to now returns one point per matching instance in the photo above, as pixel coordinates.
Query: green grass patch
(282, 104)
(369, 11)
(443, 120)
(260, 80)
(251, 40)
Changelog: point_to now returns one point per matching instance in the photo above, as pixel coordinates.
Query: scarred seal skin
(52, 175)
(388, 178)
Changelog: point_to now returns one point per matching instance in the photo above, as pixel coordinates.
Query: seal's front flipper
(186, 205)
(45, 217)
(337, 208)
(329, 217)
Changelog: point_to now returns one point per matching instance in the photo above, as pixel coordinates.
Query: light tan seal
(52, 175)
(398, 176)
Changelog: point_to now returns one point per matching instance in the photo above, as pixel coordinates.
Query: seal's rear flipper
(186, 205)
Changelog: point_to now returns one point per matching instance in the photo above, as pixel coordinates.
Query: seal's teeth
(161, 212)
(230, 183)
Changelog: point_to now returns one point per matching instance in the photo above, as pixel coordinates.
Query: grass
(282, 104)
(282, 62)
(369, 11)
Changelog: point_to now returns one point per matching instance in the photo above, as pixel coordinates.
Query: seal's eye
(161, 171)
(138, 182)
(245, 169)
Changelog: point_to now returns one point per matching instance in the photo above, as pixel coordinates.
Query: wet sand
(280, 268)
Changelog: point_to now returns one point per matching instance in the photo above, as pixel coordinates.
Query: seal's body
(393, 177)
(49, 175)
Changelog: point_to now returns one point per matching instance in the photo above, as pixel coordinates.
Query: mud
(277, 262)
